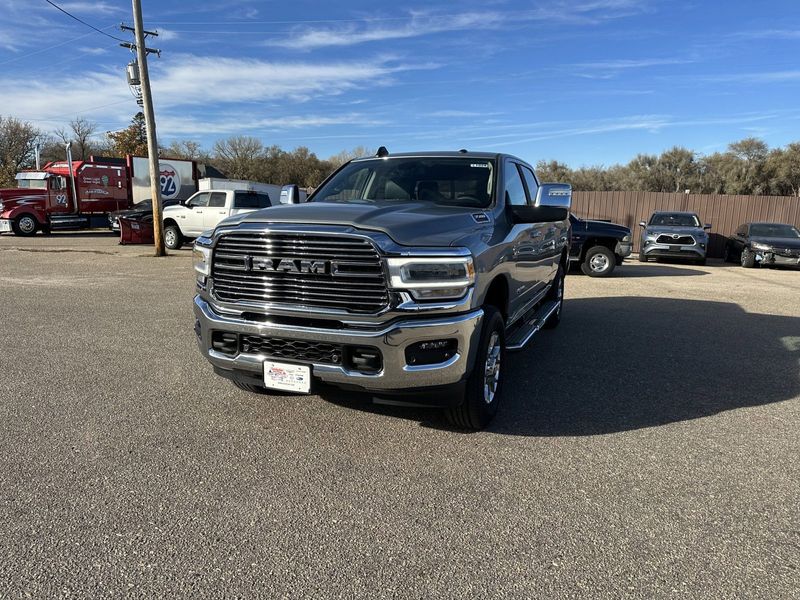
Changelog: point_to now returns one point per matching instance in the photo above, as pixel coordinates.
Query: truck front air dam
(392, 340)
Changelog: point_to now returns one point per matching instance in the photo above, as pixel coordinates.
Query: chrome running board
(530, 326)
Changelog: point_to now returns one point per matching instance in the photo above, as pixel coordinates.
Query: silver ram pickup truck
(407, 276)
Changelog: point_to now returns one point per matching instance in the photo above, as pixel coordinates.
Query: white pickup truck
(205, 209)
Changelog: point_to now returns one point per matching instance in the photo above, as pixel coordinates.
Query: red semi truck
(80, 194)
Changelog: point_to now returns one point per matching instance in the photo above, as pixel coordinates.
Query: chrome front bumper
(391, 340)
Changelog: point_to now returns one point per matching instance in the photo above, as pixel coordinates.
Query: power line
(100, 31)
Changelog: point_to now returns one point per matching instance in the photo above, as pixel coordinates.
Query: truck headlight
(762, 247)
(201, 255)
(626, 239)
(431, 278)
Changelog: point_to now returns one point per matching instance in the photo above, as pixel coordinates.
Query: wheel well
(609, 243)
(168, 222)
(497, 295)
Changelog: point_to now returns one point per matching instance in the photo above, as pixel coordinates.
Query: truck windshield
(674, 220)
(466, 182)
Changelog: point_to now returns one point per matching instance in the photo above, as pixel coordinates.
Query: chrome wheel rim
(169, 238)
(27, 225)
(598, 263)
(744, 256)
(491, 372)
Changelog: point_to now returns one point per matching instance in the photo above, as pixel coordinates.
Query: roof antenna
(463, 151)
(382, 152)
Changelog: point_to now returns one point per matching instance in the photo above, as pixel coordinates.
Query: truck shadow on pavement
(625, 363)
(658, 270)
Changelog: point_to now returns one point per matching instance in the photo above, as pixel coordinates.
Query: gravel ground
(648, 447)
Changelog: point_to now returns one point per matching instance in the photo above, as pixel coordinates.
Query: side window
(199, 201)
(530, 181)
(515, 191)
(217, 200)
(251, 200)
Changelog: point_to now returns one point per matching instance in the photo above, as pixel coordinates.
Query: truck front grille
(682, 240)
(300, 350)
(325, 272)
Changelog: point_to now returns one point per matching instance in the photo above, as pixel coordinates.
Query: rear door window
(253, 200)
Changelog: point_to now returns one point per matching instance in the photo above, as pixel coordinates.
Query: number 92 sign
(170, 181)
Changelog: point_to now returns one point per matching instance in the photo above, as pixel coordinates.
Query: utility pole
(150, 123)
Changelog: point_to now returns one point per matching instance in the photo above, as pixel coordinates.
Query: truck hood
(15, 197)
(407, 223)
(605, 226)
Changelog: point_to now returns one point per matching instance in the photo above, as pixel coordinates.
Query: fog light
(224, 342)
(431, 352)
(363, 358)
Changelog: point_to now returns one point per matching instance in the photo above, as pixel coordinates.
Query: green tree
(131, 140)
(18, 141)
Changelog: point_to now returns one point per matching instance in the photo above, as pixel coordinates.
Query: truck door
(216, 210)
(529, 245)
(59, 197)
(191, 219)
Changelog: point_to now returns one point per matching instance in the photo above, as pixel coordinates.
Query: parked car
(670, 234)
(204, 210)
(764, 244)
(140, 209)
(598, 246)
(407, 276)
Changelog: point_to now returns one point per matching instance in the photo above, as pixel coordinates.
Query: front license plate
(290, 378)
(5, 225)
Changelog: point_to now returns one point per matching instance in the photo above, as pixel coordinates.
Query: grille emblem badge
(286, 265)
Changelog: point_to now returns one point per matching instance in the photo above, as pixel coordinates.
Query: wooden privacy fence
(724, 213)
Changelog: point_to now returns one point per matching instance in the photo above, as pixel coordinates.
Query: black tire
(599, 262)
(173, 239)
(249, 387)
(556, 293)
(642, 256)
(25, 225)
(748, 259)
(475, 411)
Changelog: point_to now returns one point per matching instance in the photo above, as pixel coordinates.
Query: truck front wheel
(484, 385)
(172, 237)
(599, 262)
(25, 225)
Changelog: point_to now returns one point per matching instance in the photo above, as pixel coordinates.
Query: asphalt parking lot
(648, 447)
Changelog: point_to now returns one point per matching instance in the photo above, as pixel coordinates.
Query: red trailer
(80, 194)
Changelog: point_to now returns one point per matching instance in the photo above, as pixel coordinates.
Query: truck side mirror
(554, 195)
(290, 194)
(553, 201)
(642, 224)
(707, 226)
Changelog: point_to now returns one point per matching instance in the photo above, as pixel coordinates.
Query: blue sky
(582, 81)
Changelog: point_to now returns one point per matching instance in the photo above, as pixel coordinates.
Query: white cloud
(93, 51)
(97, 8)
(760, 77)
(189, 80)
(185, 84)
(170, 125)
(419, 25)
